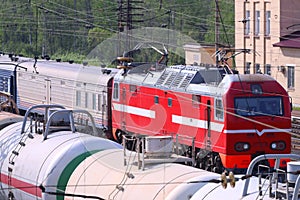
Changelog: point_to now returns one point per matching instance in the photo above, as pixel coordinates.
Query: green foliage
(296, 108)
(97, 35)
(70, 29)
(226, 23)
(69, 56)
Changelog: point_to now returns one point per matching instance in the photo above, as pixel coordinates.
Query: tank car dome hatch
(59, 120)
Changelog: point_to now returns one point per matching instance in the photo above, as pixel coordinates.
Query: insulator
(224, 180)
(232, 179)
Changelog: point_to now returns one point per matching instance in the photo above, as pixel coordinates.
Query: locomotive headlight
(242, 146)
(278, 145)
(246, 146)
(273, 146)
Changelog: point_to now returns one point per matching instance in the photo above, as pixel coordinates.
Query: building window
(257, 69)
(291, 77)
(196, 58)
(268, 69)
(247, 68)
(116, 91)
(257, 22)
(268, 23)
(247, 22)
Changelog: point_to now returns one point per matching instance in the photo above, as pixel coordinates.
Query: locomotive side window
(169, 102)
(133, 88)
(116, 91)
(196, 100)
(219, 112)
(156, 100)
(256, 106)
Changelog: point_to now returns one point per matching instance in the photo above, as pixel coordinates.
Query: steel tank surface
(28, 162)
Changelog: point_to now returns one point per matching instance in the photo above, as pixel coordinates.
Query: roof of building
(289, 41)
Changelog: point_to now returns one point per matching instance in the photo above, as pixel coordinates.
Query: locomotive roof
(182, 77)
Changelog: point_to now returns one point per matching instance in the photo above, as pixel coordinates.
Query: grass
(296, 108)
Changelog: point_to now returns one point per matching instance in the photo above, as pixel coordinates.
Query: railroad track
(296, 131)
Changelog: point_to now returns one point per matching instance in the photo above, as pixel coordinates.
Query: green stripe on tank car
(67, 172)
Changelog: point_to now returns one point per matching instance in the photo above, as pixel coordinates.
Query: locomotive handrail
(46, 106)
(71, 118)
(277, 158)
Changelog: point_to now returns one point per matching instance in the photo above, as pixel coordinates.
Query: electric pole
(127, 12)
(217, 32)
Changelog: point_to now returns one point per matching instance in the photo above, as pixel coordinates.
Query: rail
(296, 134)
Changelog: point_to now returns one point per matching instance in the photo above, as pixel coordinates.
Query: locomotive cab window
(257, 106)
(219, 112)
(116, 92)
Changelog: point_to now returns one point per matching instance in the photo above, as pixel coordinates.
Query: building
(271, 30)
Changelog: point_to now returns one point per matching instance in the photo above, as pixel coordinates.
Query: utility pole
(126, 19)
(217, 31)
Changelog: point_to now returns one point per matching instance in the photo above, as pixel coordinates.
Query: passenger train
(48, 157)
(222, 119)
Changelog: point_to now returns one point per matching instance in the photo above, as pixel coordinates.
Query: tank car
(224, 119)
(44, 149)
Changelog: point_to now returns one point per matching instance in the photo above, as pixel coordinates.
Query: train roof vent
(170, 79)
(162, 78)
(178, 80)
(186, 81)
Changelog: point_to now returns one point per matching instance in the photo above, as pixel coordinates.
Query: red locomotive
(226, 119)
